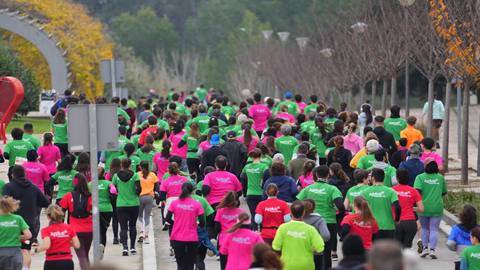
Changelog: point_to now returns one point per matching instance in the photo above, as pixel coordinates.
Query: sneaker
(432, 254)
(419, 246)
(102, 250)
(34, 243)
(425, 253)
(140, 239)
(172, 253)
(125, 251)
(133, 250)
(116, 241)
(146, 241)
(218, 258)
(334, 257)
(165, 228)
(174, 259)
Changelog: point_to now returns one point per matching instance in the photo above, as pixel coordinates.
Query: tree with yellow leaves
(79, 34)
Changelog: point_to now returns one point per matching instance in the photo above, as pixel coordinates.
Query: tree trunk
(393, 94)
(362, 95)
(465, 111)
(350, 97)
(374, 95)
(446, 125)
(430, 109)
(384, 96)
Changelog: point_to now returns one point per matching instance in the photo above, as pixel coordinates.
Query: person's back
(395, 124)
(295, 166)
(410, 132)
(385, 138)
(413, 164)
(286, 143)
(219, 183)
(237, 152)
(286, 187)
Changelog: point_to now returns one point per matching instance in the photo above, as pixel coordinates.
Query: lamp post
(267, 34)
(407, 3)
(327, 53)
(360, 28)
(302, 43)
(283, 37)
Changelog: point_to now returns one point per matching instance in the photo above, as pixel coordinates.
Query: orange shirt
(148, 183)
(411, 134)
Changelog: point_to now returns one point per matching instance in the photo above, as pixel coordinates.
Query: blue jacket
(459, 240)
(286, 186)
(415, 167)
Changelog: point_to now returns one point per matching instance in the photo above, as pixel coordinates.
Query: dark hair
(403, 142)
(194, 132)
(308, 167)
(148, 146)
(270, 144)
(166, 144)
(379, 119)
(411, 120)
(47, 138)
(264, 254)
(321, 172)
(297, 209)
(82, 185)
(126, 163)
(428, 143)
(67, 163)
(17, 133)
(122, 130)
(468, 216)
(277, 169)
(146, 106)
(176, 159)
(28, 127)
(313, 98)
(129, 149)
(431, 167)
(242, 217)
(476, 233)
(265, 150)
(338, 125)
(152, 120)
(380, 154)
(366, 214)
(229, 201)
(338, 172)
(359, 175)
(338, 141)
(247, 135)
(208, 170)
(60, 117)
(221, 162)
(270, 102)
(159, 134)
(115, 167)
(367, 110)
(255, 153)
(309, 205)
(177, 126)
(378, 174)
(83, 163)
(403, 176)
(331, 112)
(257, 97)
(187, 189)
(395, 109)
(124, 101)
(145, 167)
(175, 97)
(18, 171)
(302, 149)
(174, 168)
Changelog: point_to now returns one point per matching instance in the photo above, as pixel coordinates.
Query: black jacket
(238, 153)
(332, 134)
(386, 139)
(29, 195)
(209, 156)
(340, 184)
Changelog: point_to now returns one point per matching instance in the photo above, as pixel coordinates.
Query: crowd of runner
(310, 175)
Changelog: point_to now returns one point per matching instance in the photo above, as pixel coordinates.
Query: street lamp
(359, 27)
(302, 43)
(407, 3)
(267, 34)
(283, 37)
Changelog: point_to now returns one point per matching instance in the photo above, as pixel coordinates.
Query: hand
(32, 252)
(397, 222)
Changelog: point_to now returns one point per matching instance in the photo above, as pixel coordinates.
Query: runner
(63, 177)
(286, 143)
(161, 160)
(353, 142)
(381, 157)
(320, 225)
(147, 151)
(27, 136)
(361, 179)
(317, 137)
(175, 138)
(16, 150)
(395, 124)
(58, 127)
(115, 167)
(191, 139)
(287, 188)
(362, 223)
(129, 150)
(260, 114)
(150, 185)
(292, 106)
(306, 179)
(469, 258)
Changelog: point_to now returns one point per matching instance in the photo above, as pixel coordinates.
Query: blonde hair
(55, 212)
(8, 204)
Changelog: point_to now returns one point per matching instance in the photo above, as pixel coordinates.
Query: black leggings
(185, 253)
(58, 265)
(385, 234)
(193, 165)
(63, 148)
(405, 232)
(200, 258)
(85, 239)
(252, 202)
(113, 200)
(339, 228)
(457, 265)
(327, 253)
(105, 218)
(318, 259)
(128, 221)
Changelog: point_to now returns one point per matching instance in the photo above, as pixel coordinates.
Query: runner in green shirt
(202, 119)
(381, 156)
(131, 103)
(11, 229)
(330, 113)
(60, 132)
(317, 136)
(471, 255)
(107, 156)
(129, 152)
(128, 187)
(27, 136)
(292, 106)
(312, 107)
(286, 143)
(202, 93)
(381, 198)
(105, 206)
(395, 124)
(170, 94)
(297, 240)
(63, 176)
(123, 136)
(181, 109)
(432, 187)
(191, 139)
(148, 151)
(361, 179)
(16, 149)
(308, 125)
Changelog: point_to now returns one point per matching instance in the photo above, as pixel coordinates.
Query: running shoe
(116, 241)
(218, 258)
(140, 239)
(34, 243)
(172, 253)
(425, 253)
(146, 241)
(102, 250)
(334, 257)
(432, 254)
(165, 228)
(125, 251)
(419, 246)
(133, 250)
(174, 259)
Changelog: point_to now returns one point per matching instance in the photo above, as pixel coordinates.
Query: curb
(149, 251)
(448, 221)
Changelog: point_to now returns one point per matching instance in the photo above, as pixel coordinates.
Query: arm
(339, 204)
(26, 234)
(258, 218)
(181, 144)
(420, 208)
(42, 200)
(324, 232)
(201, 221)
(451, 242)
(138, 187)
(168, 218)
(45, 246)
(6, 155)
(199, 153)
(294, 189)
(346, 204)
(398, 210)
(344, 232)
(154, 167)
(205, 190)
(287, 218)
(464, 264)
(218, 227)
(103, 157)
(2, 160)
(162, 196)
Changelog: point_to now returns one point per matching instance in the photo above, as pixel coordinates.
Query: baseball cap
(215, 140)
(372, 146)
(278, 158)
(288, 95)
(231, 134)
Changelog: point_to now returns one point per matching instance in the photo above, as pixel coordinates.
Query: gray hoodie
(319, 223)
(382, 166)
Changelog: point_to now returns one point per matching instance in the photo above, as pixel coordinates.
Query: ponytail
(338, 172)
(173, 169)
(126, 163)
(187, 189)
(322, 127)
(265, 150)
(230, 201)
(47, 138)
(144, 166)
(272, 190)
(242, 217)
(308, 168)
(194, 132)
(247, 135)
(263, 253)
(338, 141)
(166, 144)
(366, 214)
(148, 146)
(309, 205)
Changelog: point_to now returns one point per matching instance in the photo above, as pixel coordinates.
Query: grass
(454, 201)
(40, 125)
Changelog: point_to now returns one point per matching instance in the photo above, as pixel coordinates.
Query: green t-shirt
(330, 120)
(65, 182)
(432, 186)
(317, 139)
(292, 107)
(111, 155)
(132, 104)
(310, 108)
(135, 141)
(228, 111)
(169, 96)
(104, 204)
(394, 126)
(147, 156)
(192, 145)
(380, 198)
(135, 160)
(221, 131)
(167, 174)
(285, 145)
(390, 172)
(267, 160)
(199, 185)
(202, 122)
(235, 128)
(123, 113)
(472, 255)
(207, 209)
(32, 140)
(202, 94)
(295, 239)
(307, 126)
(60, 131)
(353, 192)
(366, 162)
(324, 194)
(254, 172)
(11, 226)
(127, 194)
(124, 141)
(2, 183)
(17, 148)
(181, 109)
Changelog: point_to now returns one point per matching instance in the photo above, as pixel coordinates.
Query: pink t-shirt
(354, 143)
(205, 145)
(437, 157)
(301, 106)
(252, 144)
(173, 185)
(227, 218)
(108, 177)
(175, 139)
(49, 155)
(186, 212)
(36, 172)
(220, 182)
(286, 117)
(162, 164)
(306, 181)
(260, 114)
(238, 245)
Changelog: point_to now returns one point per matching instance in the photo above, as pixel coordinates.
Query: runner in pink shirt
(238, 244)
(306, 179)
(184, 235)
(427, 147)
(352, 141)
(172, 186)
(49, 154)
(34, 171)
(247, 135)
(260, 114)
(217, 183)
(286, 116)
(301, 105)
(160, 161)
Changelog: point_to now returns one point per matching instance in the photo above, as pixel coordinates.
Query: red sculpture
(11, 96)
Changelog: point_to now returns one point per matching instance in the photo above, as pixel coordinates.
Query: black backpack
(80, 205)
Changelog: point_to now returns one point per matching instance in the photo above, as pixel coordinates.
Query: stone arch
(25, 27)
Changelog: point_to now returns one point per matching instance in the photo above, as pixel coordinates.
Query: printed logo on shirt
(318, 191)
(297, 234)
(377, 194)
(223, 180)
(9, 224)
(261, 111)
(355, 194)
(59, 234)
(241, 240)
(65, 177)
(101, 187)
(20, 147)
(188, 207)
(361, 224)
(273, 209)
(192, 138)
(404, 194)
(395, 123)
(432, 181)
(176, 183)
(475, 255)
(285, 142)
(204, 121)
(256, 170)
(33, 170)
(230, 217)
(307, 181)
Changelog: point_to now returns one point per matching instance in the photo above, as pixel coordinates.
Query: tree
(10, 65)
(79, 35)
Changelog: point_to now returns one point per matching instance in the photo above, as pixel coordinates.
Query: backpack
(80, 206)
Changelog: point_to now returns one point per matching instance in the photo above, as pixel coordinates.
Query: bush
(454, 201)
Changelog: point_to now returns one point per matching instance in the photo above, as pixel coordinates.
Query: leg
(457, 265)
(180, 254)
(410, 229)
(105, 218)
(146, 217)
(122, 214)
(82, 252)
(36, 229)
(318, 259)
(425, 223)
(323, 161)
(252, 202)
(244, 187)
(140, 213)
(212, 234)
(193, 166)
(58, 265)
(114, 217)
(27, 258)
(192, 248)
(183, 166)
(339, 218)
(399, 233)
(434, 224)
(327, 253)
(132, 219)
(9, 173)
(200, 258)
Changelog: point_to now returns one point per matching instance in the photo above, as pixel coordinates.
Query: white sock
(25, 268)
